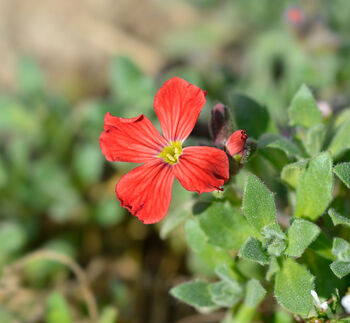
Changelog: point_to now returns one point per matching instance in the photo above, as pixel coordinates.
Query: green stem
(245, 314)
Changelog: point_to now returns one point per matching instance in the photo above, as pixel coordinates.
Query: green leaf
(303, 110)
(291, 172)
(343, 172)
(340, 142)
(197, 241)
(258, 204)
(315, 187)
(274, 267)
(57, 309)
(109, 315)
(300, 235)
(314, 139)
(340, 268)
(195, 293)
(253, 250)
(225, 273)
(338, 219)
(341, 249)
(249, 115)
(276, 247)
(279, 142)
(293, 285)
(224, 294)
(255, 293)
(225, 226)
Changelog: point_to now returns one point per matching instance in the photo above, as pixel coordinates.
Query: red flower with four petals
(146, 190)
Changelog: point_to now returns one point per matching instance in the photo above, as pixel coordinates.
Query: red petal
(146, 191)
(202, 169)
(178, 104)
(131, 140)
(236, 143)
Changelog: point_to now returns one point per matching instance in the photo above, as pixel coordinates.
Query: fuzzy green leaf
(314, 139)
(343, 172)
(303, 110)
(293, 285)
(340, 142)
(341, 249)
(315, 187)
(255, 293)
(291, 172)
(274, 267)
(338, 218)
(210, 255)
(258, 204)
(225, 226)
(300, 235)
(253, 250)
(226, 273)
(195, 293)
(279, 142)
(340, 268)
(224, 294)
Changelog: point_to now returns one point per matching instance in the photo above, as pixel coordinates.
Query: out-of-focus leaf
(255, 293)
(88, 162)
(315, 187)
(291, 172)
(300, 235)
(57, 309)
(225, 226)
(314, 139)
(249, 115)
(108, 212)
(210, 255)
(109, 315)
(340, 142)
(194, 293)
(225, 294)
(226, 273)
(281, 143)
(343, 172)
(303, 110)
(130, 87)
(30, 78)
(282, 317)
(258, 204)
(253, 250)
(293, 285)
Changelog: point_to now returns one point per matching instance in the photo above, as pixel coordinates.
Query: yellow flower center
(171, 153)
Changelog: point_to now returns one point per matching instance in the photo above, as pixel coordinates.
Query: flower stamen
(171, 154)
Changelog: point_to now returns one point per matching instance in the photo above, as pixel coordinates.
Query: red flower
(146, 190)
(236, 143)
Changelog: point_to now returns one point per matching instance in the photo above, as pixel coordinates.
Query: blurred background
(64, 64)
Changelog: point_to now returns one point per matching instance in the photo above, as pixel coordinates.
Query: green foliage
(253, 250)
(337, 218)
(303, 110)
(293, 287)
(194, 293)
(258, 204)
(225, 226)
(109, 315)
(300, 235)
(57, 309)
(343, 172)
(340, 142)
(314, 139)
(255, 293)
(225, 294)
(341, 250)
(249, 115)
(291, 172)
(315, 187)
(281, 143)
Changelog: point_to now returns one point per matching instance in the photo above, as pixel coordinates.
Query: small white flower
(323, 306)
(345, 301)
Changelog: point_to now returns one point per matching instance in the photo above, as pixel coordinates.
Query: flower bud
(220, 125)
